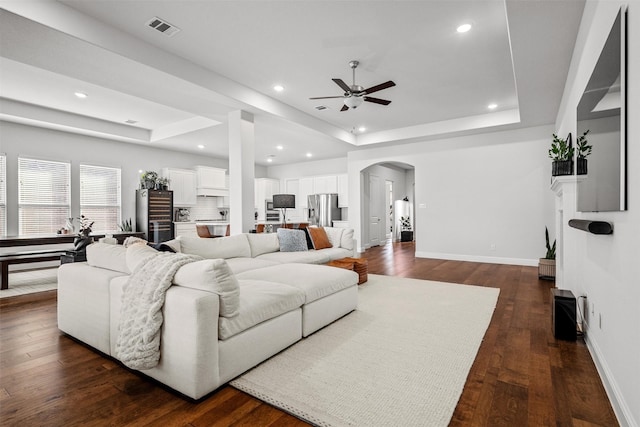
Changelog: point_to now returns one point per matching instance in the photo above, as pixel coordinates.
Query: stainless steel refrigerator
(323, 209)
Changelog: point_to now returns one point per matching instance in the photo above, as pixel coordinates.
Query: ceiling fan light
(353, 101)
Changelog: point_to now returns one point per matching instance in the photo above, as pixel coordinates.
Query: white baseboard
(478, 258)
(620, 407)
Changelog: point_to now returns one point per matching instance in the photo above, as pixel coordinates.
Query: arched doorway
(382, 184)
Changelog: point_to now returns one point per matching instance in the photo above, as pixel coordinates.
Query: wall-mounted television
(602, 112)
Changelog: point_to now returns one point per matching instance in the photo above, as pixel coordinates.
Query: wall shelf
(593, 227)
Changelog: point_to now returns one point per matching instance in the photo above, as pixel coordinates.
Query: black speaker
(563, 314)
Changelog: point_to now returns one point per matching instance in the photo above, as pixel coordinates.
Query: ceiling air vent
(163, 26)
(321, 107)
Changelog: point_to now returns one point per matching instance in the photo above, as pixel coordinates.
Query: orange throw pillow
(319, 238)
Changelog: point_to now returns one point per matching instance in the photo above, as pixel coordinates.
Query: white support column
(564, 188)
(241, 171)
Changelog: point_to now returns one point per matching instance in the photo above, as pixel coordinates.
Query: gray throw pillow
(292, 240)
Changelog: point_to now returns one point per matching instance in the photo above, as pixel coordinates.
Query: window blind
(44, 195)
(3, 195)
(100, 197)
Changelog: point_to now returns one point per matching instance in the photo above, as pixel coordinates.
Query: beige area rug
(31, 281)
(401, 359)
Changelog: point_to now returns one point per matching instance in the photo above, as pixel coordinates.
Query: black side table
(73, 256)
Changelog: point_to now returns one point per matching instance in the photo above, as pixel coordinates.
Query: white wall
(606, 268)
(475, 191)
(310, 168)
(21, 140)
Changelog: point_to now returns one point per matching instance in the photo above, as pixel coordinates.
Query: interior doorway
(376, 208)
(389, 205)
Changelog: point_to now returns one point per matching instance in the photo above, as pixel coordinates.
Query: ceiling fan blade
(379, 87)
(344, 108)
(327, 97)
(342, 85)
(377, 100)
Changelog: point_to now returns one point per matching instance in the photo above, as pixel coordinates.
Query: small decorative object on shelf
(561, 152)
(547, 265)
(583, 149)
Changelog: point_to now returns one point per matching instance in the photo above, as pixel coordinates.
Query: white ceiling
(229, 54)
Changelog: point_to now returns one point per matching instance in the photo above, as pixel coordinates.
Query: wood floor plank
(521, 376)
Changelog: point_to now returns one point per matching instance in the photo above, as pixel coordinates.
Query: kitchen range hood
(212, 192)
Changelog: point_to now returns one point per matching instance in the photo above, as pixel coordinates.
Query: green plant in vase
(148, 180)
(561, 152)
(583, 149)
(547, 265)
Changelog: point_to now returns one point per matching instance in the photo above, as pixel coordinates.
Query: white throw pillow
(347, 239)
(263, 243)
(137, 253)
(105, 255)
(220, 247)
(212, 275)
(334, 235)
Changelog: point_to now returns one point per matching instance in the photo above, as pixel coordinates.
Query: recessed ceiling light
(278, 88)
(362, 128)
(81, 95)
(309, 155)
(279, 147)
(270, 159)
(131, 121)
(492, 106)
(200, 146)
(463, 28)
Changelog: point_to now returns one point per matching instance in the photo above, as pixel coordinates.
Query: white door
(376, 207)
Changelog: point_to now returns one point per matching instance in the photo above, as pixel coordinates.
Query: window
(3, 195)
(100, 196)
(44, 196)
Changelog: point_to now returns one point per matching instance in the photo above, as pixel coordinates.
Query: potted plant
(148, 180)
(583, 149)
(561, 152)
(126, 226)
(547, 265)
(162, 183)
(406, 234)
(83, 240)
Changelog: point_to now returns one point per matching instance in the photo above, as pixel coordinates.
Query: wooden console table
(23, 256)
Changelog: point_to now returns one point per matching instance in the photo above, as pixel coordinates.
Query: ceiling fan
(355, 95)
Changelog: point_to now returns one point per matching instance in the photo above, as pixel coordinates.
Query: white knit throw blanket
(138, 343)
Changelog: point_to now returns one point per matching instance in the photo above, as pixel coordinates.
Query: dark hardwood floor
(522, 375)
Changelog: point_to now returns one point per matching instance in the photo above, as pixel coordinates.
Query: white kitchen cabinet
(211, 181)
(325, 184)
(187, 229)
(292, 186)
(305, 188)
(343, 191)
(265, 188)
(183, 184)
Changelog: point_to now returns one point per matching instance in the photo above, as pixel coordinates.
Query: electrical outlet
(593, 308)
(492, 247)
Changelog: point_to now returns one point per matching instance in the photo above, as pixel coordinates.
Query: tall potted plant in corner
(583, 149)
(561, 152)
(547, 265)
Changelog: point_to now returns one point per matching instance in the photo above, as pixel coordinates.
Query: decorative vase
(562, 167)
(581, 166)
(69, 226)
(547, 269)
(81, 242)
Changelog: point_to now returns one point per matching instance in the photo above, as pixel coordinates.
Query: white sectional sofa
(243, 302)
